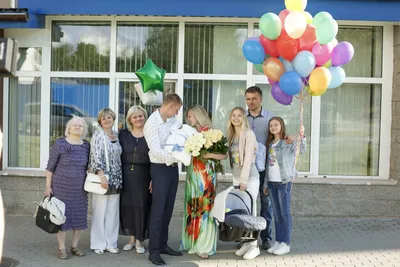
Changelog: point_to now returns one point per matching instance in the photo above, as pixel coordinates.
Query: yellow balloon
(319, 80)
(313, 93)
(295, 24)
(296, 5)
(328, 64)
(308, 17)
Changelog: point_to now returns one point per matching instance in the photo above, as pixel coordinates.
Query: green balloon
(326, 30)
(258, 67)
(270, 26)
(320, 17)
(151, 77)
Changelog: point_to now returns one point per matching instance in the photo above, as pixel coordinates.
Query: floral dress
(199, 231)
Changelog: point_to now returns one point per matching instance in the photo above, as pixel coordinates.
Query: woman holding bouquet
(243, 146)
(199, 233)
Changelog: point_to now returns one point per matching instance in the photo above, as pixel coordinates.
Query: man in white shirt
(165, 177)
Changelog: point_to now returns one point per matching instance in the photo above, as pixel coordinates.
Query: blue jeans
(265, 211)
(280, 200)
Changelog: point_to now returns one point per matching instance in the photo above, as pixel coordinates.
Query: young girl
(242, 155)
(279, 174)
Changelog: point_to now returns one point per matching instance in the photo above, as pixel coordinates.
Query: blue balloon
(287, 64)
(304, 63)
(338, 77)
(291, 83)
(253, 51)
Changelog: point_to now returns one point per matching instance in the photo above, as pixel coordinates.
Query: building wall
(21, 194)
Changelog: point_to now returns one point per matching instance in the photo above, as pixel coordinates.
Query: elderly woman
(135, 195)
(105, 208)
(65, 177)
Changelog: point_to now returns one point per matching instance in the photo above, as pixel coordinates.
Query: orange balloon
(287, 46)
(319, 80)
(308, 39)
(273, 68)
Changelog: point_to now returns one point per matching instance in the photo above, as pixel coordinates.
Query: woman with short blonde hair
(135, 195)
(131, 111)
(106, 161)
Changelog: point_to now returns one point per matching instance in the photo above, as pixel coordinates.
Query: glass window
(368, 47)
(138, 42)
(215, 49)
(24, 122)
(30, 59)
(128, 98)
(291, 116)
(81, 97)
(80, 46)
(350, 129)
(217, 97)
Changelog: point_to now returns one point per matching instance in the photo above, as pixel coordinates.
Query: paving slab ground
(315, 242)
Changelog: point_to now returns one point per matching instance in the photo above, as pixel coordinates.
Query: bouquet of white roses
(209, 141)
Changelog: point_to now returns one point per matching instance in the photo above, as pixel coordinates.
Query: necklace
(136, 139)
(111, 135)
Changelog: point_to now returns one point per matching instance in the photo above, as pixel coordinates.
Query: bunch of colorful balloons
(298, 52)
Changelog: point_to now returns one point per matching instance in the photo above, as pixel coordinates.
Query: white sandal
(140, 250)
(129, 246)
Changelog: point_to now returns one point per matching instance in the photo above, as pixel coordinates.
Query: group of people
(143, 179)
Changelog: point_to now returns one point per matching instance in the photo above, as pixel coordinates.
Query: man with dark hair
(165, 176)
(258, 119)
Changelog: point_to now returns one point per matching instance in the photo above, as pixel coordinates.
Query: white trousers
(105, 221)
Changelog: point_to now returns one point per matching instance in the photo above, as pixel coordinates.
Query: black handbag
(43, 221)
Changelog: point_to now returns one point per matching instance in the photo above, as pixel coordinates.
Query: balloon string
(302, 96)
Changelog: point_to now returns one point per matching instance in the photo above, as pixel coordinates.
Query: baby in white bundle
(176, 142)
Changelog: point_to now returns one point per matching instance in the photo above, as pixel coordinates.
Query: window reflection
(215, 48)
(81, 46)
(79, 97)
(128, 98)
(138, 42)
(30, 59)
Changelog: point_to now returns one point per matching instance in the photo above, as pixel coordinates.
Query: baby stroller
(235, 216)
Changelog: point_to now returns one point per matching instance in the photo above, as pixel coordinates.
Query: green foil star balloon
(151, 77)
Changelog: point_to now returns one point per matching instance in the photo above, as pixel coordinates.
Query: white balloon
(295, 24)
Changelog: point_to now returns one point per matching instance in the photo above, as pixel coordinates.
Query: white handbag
(93, 181)
(56, 209)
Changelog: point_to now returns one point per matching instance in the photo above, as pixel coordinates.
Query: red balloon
(308, 39)
(269, 46)
(282, 15)
(287, 47)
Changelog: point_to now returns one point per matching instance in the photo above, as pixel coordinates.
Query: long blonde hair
(201, 115)
(231, 129)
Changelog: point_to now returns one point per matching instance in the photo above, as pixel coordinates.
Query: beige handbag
(93, 181)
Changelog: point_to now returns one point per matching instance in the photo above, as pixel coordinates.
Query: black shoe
(156, 260)
(266, 244)
(169, 251)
